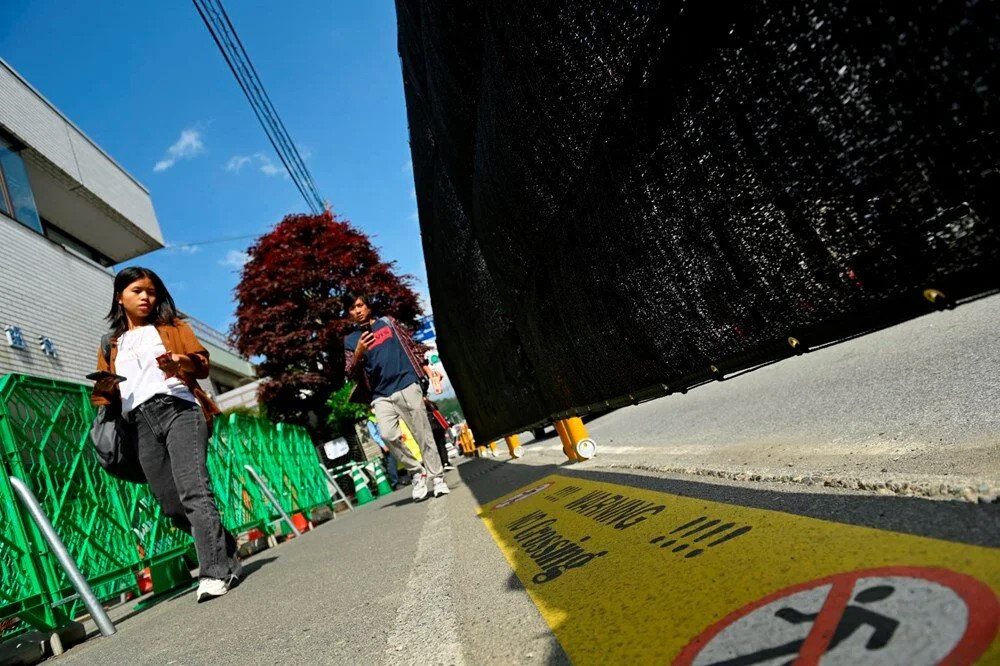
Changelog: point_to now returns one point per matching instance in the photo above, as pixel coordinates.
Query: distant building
(68, 212)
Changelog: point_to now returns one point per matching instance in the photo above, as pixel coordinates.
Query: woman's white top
(136, 360)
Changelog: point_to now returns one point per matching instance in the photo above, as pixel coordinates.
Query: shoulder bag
(113, 437)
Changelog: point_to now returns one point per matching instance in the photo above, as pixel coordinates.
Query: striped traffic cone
(381, 483)
(361, 491)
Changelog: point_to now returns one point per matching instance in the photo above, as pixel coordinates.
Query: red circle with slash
(938, 616)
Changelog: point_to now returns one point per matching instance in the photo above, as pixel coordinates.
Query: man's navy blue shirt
(388, 368)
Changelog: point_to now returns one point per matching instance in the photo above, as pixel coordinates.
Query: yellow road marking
(623, 574)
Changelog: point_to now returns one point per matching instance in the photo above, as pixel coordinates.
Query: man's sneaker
(449, 466)
(419, 487)
(440, 487)
(210, 588)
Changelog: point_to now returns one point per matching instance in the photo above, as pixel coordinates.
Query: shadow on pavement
(963, 522)
(249, 569)
(402, 501)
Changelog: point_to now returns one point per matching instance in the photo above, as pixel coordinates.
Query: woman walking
(157, 353)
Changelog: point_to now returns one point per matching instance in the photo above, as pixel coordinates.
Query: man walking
(438, 426)
(384, 361)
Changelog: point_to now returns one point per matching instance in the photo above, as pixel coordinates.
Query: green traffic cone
(361, 492)
(381, 483)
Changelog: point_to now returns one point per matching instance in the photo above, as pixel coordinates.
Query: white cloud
(235, 258)
(187, 146)
(268, 167)
(263, 162)
(237, 162)
(181, 247)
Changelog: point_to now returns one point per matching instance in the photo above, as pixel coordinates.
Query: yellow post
(566, 441)
(514, 446)
(583, 446)
(493, 449)
(482, 451)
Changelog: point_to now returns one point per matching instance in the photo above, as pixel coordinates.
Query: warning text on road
(622, 573)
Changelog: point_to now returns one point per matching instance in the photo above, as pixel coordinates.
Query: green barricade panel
(242, 505)
(112, 528)
(302, 469)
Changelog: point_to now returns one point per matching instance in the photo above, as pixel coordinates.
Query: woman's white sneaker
(210, 588)
(440, 487)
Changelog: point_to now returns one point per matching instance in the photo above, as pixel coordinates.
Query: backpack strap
(404, 342)
(106, 347)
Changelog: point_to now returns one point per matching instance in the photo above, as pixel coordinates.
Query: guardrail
(111, 528)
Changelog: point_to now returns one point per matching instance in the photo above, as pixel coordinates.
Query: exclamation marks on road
(563, 493)
(719, 533)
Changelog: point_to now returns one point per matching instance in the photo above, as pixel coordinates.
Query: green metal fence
(113, 528)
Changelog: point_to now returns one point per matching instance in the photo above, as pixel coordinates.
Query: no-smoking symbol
(894, 615)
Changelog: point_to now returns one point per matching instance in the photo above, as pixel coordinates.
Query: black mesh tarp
(615, 197)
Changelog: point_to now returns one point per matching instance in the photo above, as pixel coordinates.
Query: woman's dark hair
(164, 310)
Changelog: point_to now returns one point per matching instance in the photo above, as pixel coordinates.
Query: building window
(54, 233)
(221, 388)
(16, 199)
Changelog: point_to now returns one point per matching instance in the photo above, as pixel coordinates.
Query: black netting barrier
(615, 197)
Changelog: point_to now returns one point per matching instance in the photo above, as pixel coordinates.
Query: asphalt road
(401, 583)
(910, 410)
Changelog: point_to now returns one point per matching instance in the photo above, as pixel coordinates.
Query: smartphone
(163, 358)
(104, 374)
(365, 328)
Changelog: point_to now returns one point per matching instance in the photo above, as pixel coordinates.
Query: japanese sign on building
(46, 345)
(14, 337)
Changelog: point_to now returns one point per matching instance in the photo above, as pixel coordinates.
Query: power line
(269, 105)
(254, 91)
(210, 241)
(221, 28)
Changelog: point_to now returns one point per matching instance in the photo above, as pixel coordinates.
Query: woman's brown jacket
(178, 338)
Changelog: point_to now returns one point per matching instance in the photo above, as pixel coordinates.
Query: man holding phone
(385, 362)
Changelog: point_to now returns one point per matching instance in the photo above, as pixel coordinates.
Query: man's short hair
(351, 297)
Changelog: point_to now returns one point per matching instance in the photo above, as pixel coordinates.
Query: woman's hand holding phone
(169, 364)
(105, 381)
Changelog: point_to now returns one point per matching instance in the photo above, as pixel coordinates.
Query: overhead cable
(221, 28)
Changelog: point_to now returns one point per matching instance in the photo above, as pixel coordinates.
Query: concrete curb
(983, 493)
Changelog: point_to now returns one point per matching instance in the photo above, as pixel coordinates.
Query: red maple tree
(290, 312)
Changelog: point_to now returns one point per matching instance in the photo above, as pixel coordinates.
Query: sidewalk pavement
(392, 582)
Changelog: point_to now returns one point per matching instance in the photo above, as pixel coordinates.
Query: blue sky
(147, 83)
